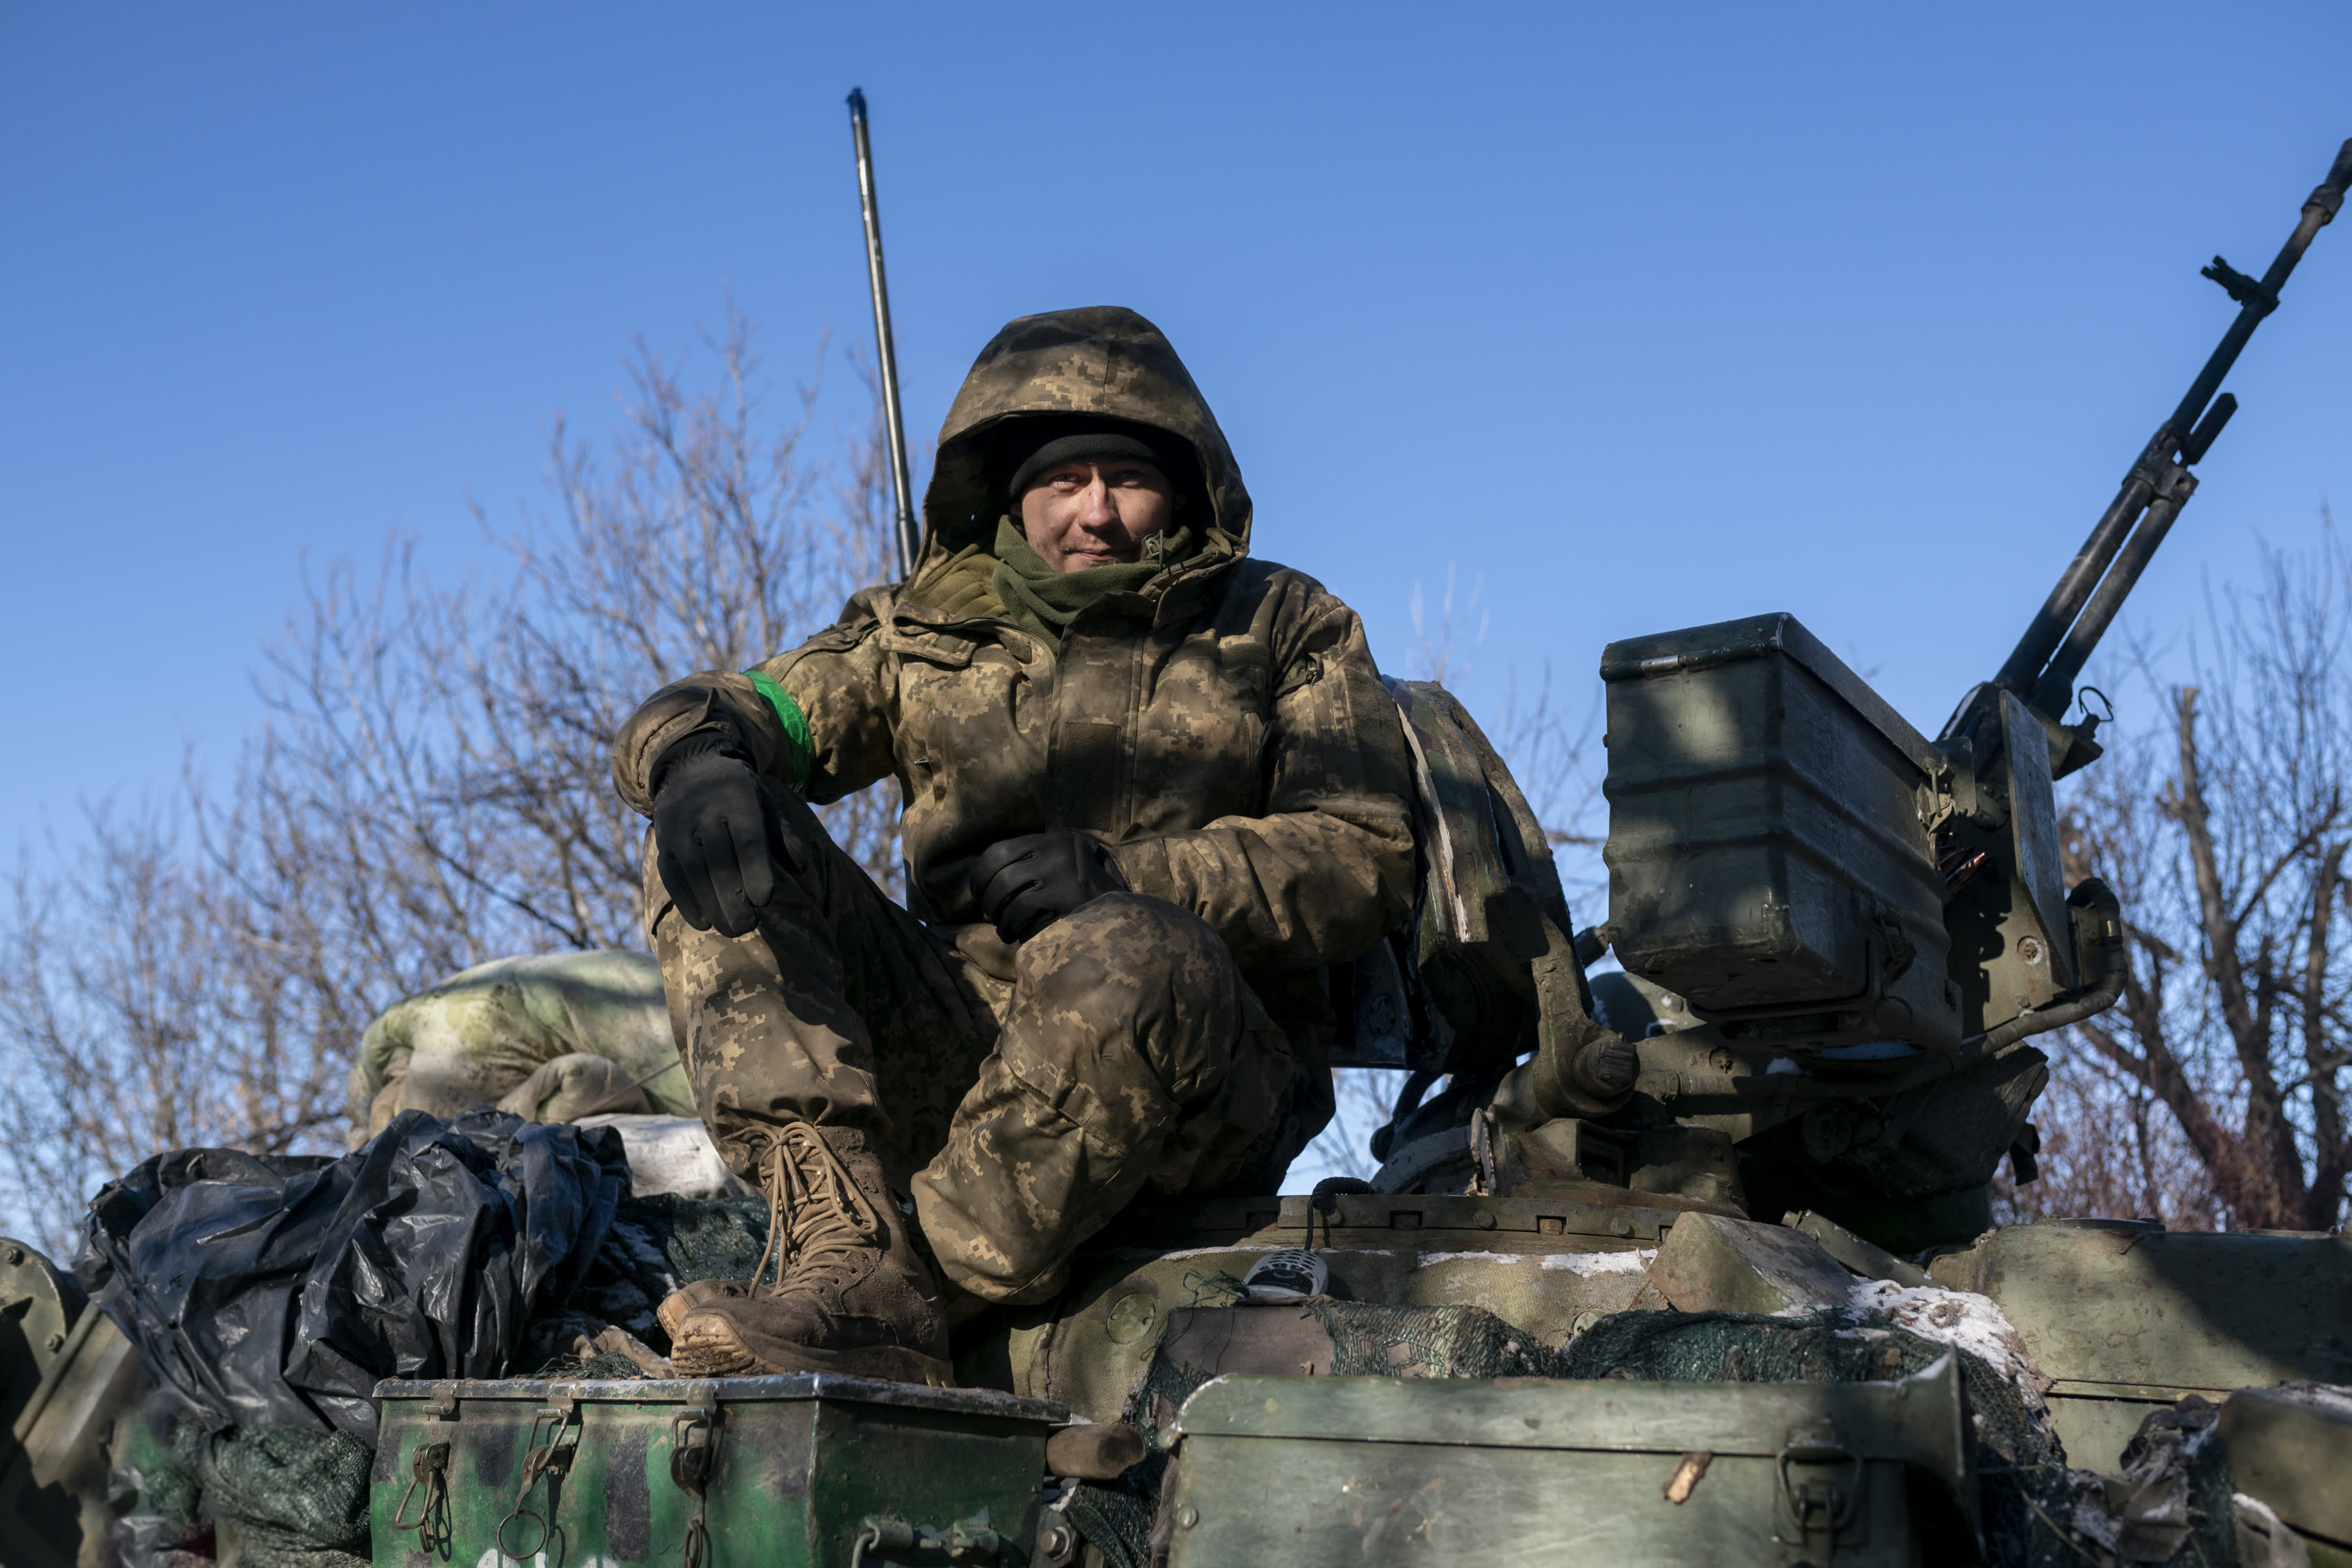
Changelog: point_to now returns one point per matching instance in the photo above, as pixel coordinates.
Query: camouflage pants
(1025, 1096)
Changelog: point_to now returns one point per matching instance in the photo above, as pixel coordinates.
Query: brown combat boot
(689, 1299)
(851, 1295)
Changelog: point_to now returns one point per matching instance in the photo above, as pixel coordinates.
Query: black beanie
(1050, 440)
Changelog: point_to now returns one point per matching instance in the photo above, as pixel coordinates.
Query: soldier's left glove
(1023, 885)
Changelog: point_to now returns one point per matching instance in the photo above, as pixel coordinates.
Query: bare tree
(2108, 1147)
(431, 788)
(147, 1003)
(2225, 833)
(464, 733)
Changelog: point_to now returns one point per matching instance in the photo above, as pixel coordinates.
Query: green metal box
(2126, 1318)
(2292, 1447)
(780, 1472)
(1309, 1471)
(1770, 855)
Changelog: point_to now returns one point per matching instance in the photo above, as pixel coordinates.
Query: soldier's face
(1092, 511)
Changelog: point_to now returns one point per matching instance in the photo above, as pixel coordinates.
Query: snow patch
(1959, 1319)
(1593, 1264)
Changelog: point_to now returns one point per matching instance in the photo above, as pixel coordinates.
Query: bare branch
(431, 788)
(2224, 836)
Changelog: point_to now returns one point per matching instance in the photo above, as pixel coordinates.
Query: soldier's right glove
(717, 834)
(1023, 885)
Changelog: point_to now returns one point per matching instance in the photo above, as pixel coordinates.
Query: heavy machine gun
(1837, 934)
(2051, 655)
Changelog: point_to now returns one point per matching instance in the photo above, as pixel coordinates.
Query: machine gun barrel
(902, 486)
(2092, 589)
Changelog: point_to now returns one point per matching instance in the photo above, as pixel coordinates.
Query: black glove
(1026, 884)
(717, 834)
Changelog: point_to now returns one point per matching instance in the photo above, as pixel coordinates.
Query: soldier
(1151, 786)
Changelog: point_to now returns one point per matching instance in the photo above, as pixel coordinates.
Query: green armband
(799, 749)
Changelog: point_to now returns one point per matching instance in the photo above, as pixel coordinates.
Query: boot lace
(817, 1213)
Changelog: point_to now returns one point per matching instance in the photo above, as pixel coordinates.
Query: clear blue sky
(1643, 316)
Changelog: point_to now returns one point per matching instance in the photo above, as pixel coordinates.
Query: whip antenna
(900, 485)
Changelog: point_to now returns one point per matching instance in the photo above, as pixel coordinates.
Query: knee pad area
(1126, 981)
(1133, 939)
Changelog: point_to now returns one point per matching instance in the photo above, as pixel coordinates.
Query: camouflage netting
(277, 1497)
(603, 1366)
(1116, 1517)
(1373, 1340)
(163, 1524)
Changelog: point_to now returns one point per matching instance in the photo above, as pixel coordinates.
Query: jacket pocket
(944, 650)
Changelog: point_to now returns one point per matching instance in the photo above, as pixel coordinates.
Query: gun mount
(1837, 934)
(1841, 932)
(1809, 872)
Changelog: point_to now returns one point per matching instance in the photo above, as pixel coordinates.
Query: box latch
(693, 1456)
(1829, 1499)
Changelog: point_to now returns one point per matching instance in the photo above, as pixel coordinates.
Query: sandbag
(480, 1035)
(280, 1290)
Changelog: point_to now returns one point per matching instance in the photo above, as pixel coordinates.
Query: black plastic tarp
(280, 1290)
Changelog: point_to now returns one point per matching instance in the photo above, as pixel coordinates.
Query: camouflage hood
(1099, 360)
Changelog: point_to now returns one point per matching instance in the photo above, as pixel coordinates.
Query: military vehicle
(1747, 1306)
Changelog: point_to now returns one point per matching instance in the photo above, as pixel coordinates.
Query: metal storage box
(2168, 1314)
(1305, 1471)
(1770, 855)
(783, 1473)
(2292, 1447)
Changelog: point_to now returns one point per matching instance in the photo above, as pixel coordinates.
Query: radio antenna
(893, 421)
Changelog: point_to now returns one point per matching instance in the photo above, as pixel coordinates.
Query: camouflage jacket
(1223, 730)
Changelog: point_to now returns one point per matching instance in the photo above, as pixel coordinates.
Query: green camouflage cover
(512, 1032)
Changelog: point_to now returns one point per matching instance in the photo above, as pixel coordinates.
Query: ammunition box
(1769, 852)
(1308, 1471)
(774, 1470)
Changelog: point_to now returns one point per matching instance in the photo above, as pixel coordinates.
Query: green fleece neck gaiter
(1042, 602)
